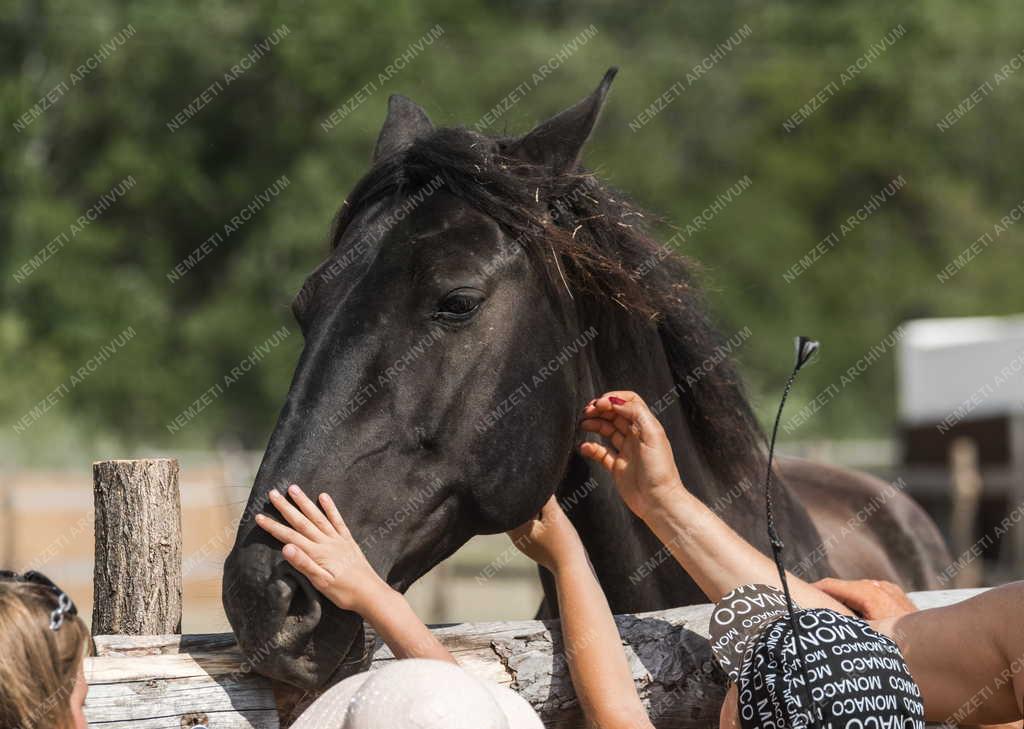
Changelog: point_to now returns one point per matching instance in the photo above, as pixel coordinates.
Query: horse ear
(556, 143)
(406, 121)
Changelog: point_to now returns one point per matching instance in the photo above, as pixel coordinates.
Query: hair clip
(64, 606)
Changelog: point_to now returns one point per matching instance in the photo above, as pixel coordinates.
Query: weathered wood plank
(152, 684)
(232, 720)
(152, 645)
(155, 681)
(166, 702)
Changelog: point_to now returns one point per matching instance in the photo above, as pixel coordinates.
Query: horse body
(479, 291)
(870, 529)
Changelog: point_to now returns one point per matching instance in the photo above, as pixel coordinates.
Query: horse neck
(621, 546)
(617, 542)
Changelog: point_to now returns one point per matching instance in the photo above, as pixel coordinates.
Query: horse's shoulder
(868, 508)
(801, 473)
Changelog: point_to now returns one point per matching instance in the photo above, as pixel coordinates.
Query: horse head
(437, 391)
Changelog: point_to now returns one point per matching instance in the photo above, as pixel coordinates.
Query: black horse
(479, 291)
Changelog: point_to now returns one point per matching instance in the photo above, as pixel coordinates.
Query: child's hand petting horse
(320, 546)
(635, 449)
(550, 539)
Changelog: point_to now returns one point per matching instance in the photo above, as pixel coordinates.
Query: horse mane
(604, 253)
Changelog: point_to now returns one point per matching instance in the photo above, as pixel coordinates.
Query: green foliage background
(267, 124)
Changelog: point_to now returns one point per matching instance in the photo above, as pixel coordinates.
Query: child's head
(418, 694)
(42, 649)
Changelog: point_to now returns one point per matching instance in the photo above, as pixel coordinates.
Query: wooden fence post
(137, 576)
(967, 490)
(1015, 549)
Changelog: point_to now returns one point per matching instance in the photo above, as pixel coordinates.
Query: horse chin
(311, 669)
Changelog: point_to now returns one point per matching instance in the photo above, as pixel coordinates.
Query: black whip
(805, 349)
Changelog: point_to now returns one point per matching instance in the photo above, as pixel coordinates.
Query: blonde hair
(38, 666)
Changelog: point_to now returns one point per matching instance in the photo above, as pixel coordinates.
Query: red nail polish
(616, 400)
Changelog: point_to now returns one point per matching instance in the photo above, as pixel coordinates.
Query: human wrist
(373, 598)
(569, 562)
(662, 500)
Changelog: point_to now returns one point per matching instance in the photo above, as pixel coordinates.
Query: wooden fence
(146, 676)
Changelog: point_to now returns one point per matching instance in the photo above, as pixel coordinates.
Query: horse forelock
(607, 257)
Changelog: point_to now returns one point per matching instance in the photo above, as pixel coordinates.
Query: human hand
(871, 599)
(549, 539)
(635, 450)
(320, 546)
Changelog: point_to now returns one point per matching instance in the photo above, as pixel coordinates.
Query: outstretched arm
(597, 663)
(636, 451)
(320, 546)
(967, 657)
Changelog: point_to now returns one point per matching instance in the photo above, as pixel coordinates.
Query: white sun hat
(418, 694)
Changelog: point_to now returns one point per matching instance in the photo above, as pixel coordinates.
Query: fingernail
(294, 489)
(617, 400)
(275, 492)
(260, 518)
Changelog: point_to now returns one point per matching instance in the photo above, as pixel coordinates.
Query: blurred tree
(267, 123)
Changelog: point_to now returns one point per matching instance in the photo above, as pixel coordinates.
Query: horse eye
(459, 304)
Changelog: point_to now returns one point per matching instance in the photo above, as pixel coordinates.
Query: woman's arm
(716, 557)
(956, 652)
(967, 658)
(319, 545)
(593, 649)
(639, 456)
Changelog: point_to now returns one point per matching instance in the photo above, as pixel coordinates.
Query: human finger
(851, 593)
(293, 516)
(635, 418)
(599, 454)
(604, 429)
(280, 532)
(300, 560)
(311, 510)
(331, 509)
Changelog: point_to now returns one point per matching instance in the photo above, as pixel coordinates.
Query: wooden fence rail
(176, 681)
(173, 681)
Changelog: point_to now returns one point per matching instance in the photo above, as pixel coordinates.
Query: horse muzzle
(287, 630)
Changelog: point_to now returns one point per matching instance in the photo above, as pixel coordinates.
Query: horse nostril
(281, 591)
(296, 599)
(303, 604)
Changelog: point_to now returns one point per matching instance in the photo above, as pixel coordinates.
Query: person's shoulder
(1011, 593)
(999, 606)
(1003, 614)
